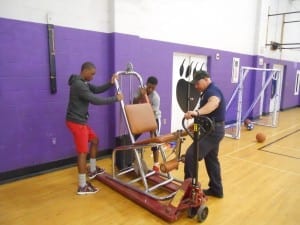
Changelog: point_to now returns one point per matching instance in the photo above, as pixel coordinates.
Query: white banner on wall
(183, 68)
(235, 70)
(297, 83)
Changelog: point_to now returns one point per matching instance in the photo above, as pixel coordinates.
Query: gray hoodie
(81, 94)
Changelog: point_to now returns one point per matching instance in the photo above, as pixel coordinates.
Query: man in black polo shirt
(212, 105)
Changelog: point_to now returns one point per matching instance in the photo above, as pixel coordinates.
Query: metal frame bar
(292, 21)
(289, 44)
(285, 13)
(282, 28)
(138, 150)
(285, 44)
(291, 48)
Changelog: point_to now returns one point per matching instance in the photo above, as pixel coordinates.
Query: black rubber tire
(192, 212)
(202, 213)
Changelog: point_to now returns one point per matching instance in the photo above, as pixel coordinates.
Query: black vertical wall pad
(52, 64)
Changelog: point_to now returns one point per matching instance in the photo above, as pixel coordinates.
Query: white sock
(82, 179)
(92, 164)
(156, 164)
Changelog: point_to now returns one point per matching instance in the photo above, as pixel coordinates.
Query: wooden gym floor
(261, 186)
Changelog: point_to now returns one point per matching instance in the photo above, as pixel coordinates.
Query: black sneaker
(93, 174)
(87, 189)
(210, 192)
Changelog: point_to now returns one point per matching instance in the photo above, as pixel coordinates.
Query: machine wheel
(202, 213)
(192, 212)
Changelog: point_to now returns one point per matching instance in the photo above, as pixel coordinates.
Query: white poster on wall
(235, 70)
(184, 66)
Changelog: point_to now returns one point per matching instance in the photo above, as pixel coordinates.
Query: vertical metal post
(267, 25)
(196, 138)
(244, 73)
(282, 30)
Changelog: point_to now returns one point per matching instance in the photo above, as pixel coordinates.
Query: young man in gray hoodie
(150, 95)
(82, 93)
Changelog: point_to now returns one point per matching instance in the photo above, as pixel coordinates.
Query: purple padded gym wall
(33, 126)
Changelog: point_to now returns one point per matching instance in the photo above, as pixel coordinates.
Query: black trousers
(208, 150)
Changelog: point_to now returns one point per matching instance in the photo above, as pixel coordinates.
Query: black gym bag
(124, 158)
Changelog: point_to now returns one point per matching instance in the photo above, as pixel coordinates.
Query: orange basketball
(260, 137)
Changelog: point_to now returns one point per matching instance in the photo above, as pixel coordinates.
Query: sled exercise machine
(159, 192)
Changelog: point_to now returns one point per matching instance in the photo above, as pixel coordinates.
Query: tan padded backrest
(140, 118)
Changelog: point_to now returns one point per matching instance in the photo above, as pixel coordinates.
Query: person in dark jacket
(212, 105)
(82, 93)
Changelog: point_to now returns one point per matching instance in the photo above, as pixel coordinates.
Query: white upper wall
(227, 25)
(92, 15)
(232, 25)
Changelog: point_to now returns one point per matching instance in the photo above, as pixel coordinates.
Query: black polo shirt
(218, 115)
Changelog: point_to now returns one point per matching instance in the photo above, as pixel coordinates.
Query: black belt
(221, 123)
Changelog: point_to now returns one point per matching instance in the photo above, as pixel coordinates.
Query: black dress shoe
(210, 192)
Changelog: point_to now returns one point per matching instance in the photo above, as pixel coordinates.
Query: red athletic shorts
(82, 134)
